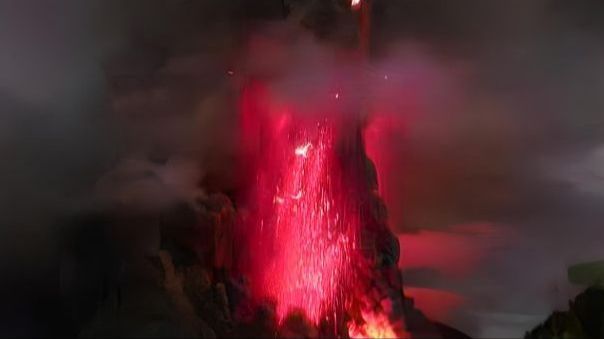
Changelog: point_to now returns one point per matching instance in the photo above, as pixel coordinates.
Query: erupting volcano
(316, 226)
(310, 228)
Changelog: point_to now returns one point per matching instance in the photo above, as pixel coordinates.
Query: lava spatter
(308, 223)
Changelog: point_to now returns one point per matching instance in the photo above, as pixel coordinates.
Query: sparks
(303, 229)
(297, 196)
(308, 238)
(302, 151)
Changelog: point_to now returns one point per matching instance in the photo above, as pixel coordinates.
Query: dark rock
(584, 319)
(296, 325)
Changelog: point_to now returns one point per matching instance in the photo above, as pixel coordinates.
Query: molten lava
(376, 325)
(309, 199)
(307, 225)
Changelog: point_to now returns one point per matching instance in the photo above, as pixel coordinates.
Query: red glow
(455, 252)
(310, 228)
(436, 304)
(380, 135)
(304, 224)
(451, 254)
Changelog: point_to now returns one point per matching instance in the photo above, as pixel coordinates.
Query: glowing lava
(376, 326)
(307, 224)
(303, 215)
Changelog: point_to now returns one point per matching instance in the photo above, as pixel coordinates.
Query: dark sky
(498, 173)
(505, 171)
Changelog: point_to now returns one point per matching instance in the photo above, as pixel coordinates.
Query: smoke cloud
(496, 111)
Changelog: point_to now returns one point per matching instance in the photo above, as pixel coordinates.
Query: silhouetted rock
(584, 319)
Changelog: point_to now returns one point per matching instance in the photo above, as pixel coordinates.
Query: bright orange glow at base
(375, 326)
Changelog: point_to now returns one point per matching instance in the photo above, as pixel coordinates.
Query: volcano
(317, 229)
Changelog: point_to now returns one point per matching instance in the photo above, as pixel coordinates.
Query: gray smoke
(513, 139)
(506, 128)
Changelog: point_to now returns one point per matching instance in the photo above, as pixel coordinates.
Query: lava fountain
(312, 227)
(304, 224)
(307, 213)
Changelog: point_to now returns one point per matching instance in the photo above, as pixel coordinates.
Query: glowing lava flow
(375, 326)
(309, 227)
